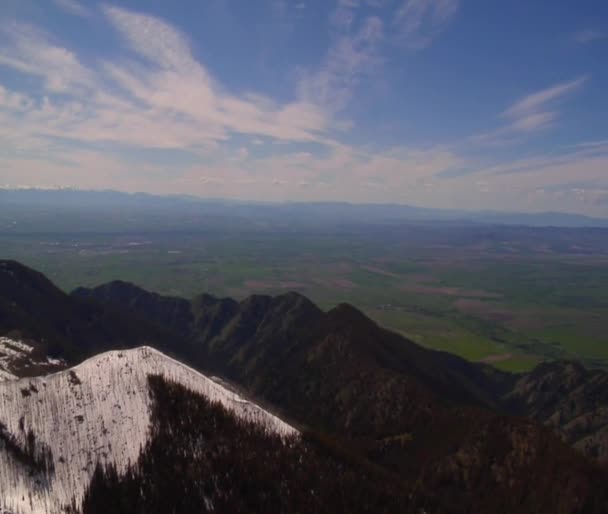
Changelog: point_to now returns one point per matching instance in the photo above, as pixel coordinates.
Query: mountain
(56, 428)
(247, 340)
(432, 418)
(450, 432)
(25, 205)
(571, 400)
(200, 458)
(34, 311)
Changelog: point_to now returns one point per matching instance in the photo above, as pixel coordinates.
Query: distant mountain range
(429, 431)
(289, 213)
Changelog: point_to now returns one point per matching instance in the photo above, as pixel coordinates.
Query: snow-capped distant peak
(99, 411)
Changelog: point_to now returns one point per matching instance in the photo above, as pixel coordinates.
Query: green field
(506, 303)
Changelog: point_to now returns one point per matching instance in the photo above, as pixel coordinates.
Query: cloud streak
(161, 98)
(359, 42)
(95, 122)
(354, 55)
(73, 7)
(586, 36)
(531, 112)
(418, 22)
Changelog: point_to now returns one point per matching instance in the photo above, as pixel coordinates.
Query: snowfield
(95, 412)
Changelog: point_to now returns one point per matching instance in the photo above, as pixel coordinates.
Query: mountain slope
(570, 399)
(57, 428)
(435, 421)
(430, 417)
(250, 338)
(32, 309)
(269, 344)
(199, 458)
(172, 313)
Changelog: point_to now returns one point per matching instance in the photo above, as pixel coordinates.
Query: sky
(466, 104)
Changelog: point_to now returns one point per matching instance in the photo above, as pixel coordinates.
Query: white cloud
(14, 101)
(570, 180)
(533, 121)
(586, 36)
(165, 99)
(536, 103)
(73, 7)
(574, 181)
(534, 112)
(83, 116)
(31, 51)
(419, 21)
(359, 41)
(180, 84)
(152, 38)
(353, 55)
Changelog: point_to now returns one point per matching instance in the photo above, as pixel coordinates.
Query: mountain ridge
(32, 308)
(66, 198)
(339, 371)
(446, 427)
(97, 411)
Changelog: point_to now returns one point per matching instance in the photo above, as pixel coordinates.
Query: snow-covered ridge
(98, 411)
(16, 356)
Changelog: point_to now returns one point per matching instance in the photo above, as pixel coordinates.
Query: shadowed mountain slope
(231, 465)
(33, 309)
(436, 421)
(244, 339)
(433, 418)
(571, 400)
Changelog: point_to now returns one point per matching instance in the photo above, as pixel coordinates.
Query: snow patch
(4, 376)
(11, 351)
(16, 356)
(98, 411)
(14, 347)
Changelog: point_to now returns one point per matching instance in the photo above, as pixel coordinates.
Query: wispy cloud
(532, 113)
(161, 98)
(359, 43)
(354, 54)
(589, 35)
(419, 21)
(157, 41)
(73, 7)
(32, 51)
(576, 154)
(571, 179)
(98, 122)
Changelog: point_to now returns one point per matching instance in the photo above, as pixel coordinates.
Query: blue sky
(469, 104)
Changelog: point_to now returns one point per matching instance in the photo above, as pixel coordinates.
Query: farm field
(510, 298)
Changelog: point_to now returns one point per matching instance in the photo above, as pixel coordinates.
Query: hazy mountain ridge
(22, 204)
